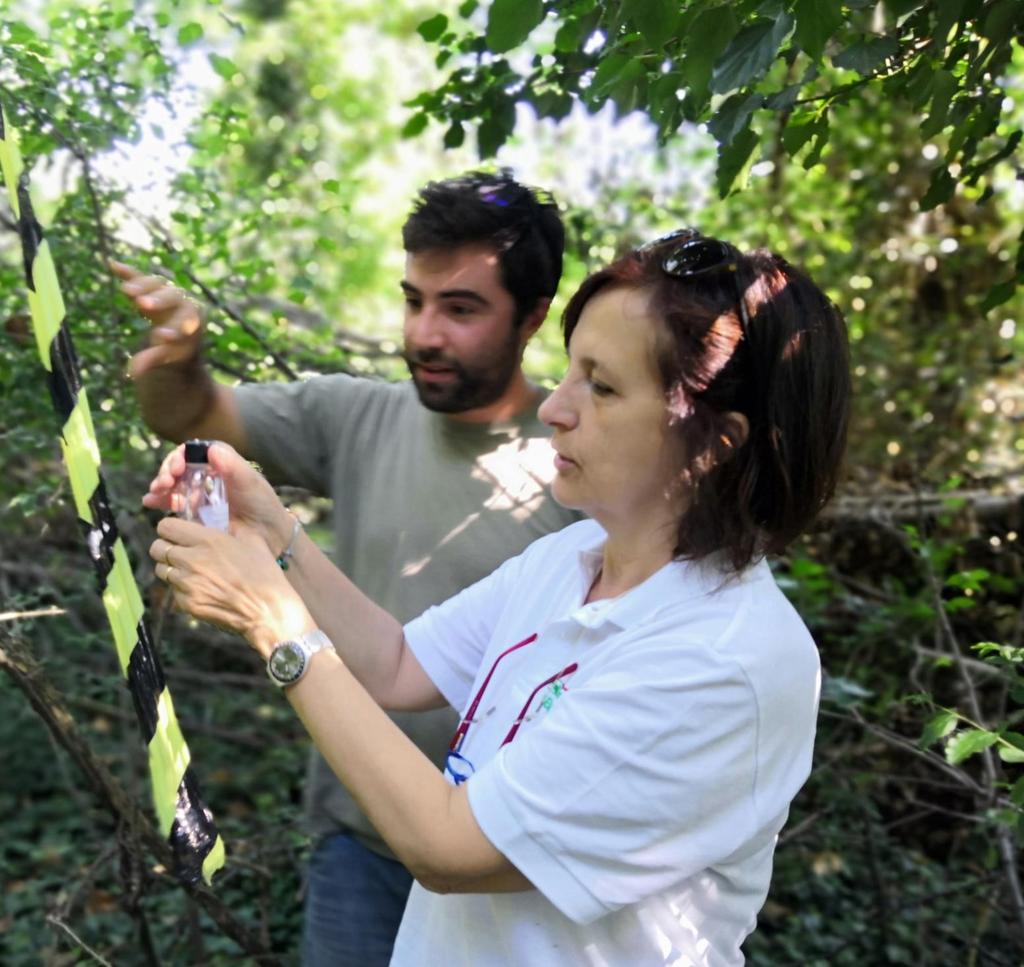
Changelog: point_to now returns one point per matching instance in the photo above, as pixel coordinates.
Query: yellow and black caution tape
(182, 815)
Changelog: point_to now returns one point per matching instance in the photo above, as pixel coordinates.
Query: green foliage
(782, 61)
(509, 23)
(895, 849)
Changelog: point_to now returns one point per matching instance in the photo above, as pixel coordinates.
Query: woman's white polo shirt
(635, 758)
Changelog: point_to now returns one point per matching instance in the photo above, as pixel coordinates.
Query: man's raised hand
(176, 321)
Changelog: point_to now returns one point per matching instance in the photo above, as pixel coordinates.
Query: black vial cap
(196, 451)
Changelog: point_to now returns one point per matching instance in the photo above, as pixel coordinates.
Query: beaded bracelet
(289, 551)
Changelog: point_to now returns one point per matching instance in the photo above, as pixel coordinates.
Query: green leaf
(917, 82)
(496, 127)
(803, 129)
(800, 129)
(190, 33)
(967, 743)
(750, 54)
(570, 36)
(1000, 20)
(1014, 750)
(816, 22)
(224, 67)
(607, 73)
(432, 28)
(455, 135)
(734, 163)
(664, 105)
(706, 39)
(510, 22)
(629, 87)
(1017, 792)
(974, 578)
(998, 295)
(900, 8)
(733, 116)
(938, 727)
(865, 55)
(415, 125)
(940, 190)
(783, 100)
(1006, 151)
(657, 20)
(552, 104)
(946, 16)
(19, 33)
(944, 86)
(468, 8)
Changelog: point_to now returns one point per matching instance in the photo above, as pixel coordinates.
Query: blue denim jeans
(354, 903)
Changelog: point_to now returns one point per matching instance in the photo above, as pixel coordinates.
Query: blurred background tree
(263, 153)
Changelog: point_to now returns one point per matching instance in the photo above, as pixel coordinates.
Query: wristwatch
(289, 660)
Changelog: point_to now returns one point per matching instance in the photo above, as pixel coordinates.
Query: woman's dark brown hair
(788, 374)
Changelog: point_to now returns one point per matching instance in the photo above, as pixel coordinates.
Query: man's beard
(471, 387)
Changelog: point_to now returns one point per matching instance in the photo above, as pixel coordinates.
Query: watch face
(286, 662)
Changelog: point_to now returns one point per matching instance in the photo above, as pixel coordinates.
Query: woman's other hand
(230, 580)
(251, 500)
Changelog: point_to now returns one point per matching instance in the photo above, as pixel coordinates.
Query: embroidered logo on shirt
(555, 690)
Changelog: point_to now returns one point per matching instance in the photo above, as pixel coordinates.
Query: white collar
(674, 582)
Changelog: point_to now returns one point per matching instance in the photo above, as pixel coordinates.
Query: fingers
(186, 319)
(165, 305)
(228, 462)
(186, 534)
(161, 494)
(140, 285)
(160, 550)
(165, 355)
(171, 468)
(164, 572)
(163, 297)
(121, 270)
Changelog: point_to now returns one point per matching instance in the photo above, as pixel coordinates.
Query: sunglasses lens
(694, 257)
(679, 236)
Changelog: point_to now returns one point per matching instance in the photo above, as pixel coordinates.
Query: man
(436, 481)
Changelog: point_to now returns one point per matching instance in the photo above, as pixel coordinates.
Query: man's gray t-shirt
(424, 506)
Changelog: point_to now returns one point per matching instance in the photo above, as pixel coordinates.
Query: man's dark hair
(521, 223)
(787, 371)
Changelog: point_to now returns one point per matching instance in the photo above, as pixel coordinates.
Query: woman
(639, 697)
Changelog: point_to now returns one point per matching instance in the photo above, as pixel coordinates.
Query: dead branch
(909, 508)
(24, 615)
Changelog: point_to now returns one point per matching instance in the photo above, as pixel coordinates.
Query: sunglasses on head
(686, 254)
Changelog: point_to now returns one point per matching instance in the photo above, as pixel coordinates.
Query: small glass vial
(200, 493)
